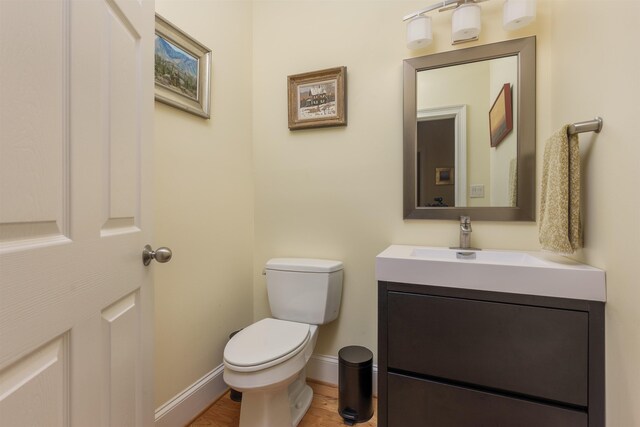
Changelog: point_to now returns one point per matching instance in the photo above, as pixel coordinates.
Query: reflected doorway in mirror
(435, 151)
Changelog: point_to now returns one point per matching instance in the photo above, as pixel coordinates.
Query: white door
(76, 314)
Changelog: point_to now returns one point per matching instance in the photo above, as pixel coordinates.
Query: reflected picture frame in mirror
(524, 105)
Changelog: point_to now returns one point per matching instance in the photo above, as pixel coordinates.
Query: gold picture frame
(318, 99)
(501, 116)
(444, 176)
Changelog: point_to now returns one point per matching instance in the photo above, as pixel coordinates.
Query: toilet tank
(304, 290)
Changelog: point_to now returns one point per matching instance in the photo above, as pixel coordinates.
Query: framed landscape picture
(501, 116)
(182, 70)
(318, 99)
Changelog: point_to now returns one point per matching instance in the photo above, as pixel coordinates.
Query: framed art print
(182, 68)
(501, 116)
(444, 176)
(318, 99)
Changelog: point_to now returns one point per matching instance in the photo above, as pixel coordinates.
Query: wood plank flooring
(322, 413)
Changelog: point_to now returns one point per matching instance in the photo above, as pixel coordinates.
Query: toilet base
(268, 408)
(278, 407)
(300, 396)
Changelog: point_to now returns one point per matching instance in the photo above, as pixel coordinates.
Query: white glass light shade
(465, 22)
(419, 32)
(518, 13)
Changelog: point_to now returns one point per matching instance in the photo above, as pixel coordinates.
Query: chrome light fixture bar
(465, 21)
(442, 5)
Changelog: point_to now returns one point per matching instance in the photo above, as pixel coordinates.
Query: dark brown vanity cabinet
(452, 357)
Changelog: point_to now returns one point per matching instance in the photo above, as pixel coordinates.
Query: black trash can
(355, 389)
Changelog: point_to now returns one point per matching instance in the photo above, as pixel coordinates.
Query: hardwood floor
(322, 413)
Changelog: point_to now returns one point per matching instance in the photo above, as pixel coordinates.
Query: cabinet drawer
(421, 403)
(534, 351)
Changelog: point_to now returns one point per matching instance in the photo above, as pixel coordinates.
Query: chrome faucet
(465, 232)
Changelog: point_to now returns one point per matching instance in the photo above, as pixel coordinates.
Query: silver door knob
(161, 254)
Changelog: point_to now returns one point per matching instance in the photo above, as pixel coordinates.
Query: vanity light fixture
(465, 21)
(419, 32)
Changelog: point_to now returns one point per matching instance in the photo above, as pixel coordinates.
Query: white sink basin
(531, 273)
(491, 257)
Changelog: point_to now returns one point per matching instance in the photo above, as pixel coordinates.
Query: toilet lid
(265, 341)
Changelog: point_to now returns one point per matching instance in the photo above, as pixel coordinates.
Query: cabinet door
(534, 351)
(421, 403)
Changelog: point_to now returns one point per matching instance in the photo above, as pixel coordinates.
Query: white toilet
(266, 360)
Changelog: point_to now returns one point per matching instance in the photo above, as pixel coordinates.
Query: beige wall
(337, 193)
(204, 209)
(595, 71)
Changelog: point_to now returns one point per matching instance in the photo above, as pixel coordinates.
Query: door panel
(120, 334)
(123, 123)
(35, 206)
(34, 391)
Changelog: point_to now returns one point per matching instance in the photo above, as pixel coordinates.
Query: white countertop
(529, 273)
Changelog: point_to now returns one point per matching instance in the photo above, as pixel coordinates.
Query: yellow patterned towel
(560, 229)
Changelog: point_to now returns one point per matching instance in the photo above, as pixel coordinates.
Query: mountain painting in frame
(182, 70)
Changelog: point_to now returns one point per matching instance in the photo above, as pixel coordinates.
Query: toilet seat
(264, 344)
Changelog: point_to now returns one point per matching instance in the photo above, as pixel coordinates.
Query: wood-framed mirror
(470, 133)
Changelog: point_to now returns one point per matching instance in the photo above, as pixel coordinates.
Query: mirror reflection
(467, 128)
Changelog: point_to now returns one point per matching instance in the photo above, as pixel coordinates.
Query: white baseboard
(182, 408)
(325, 368)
